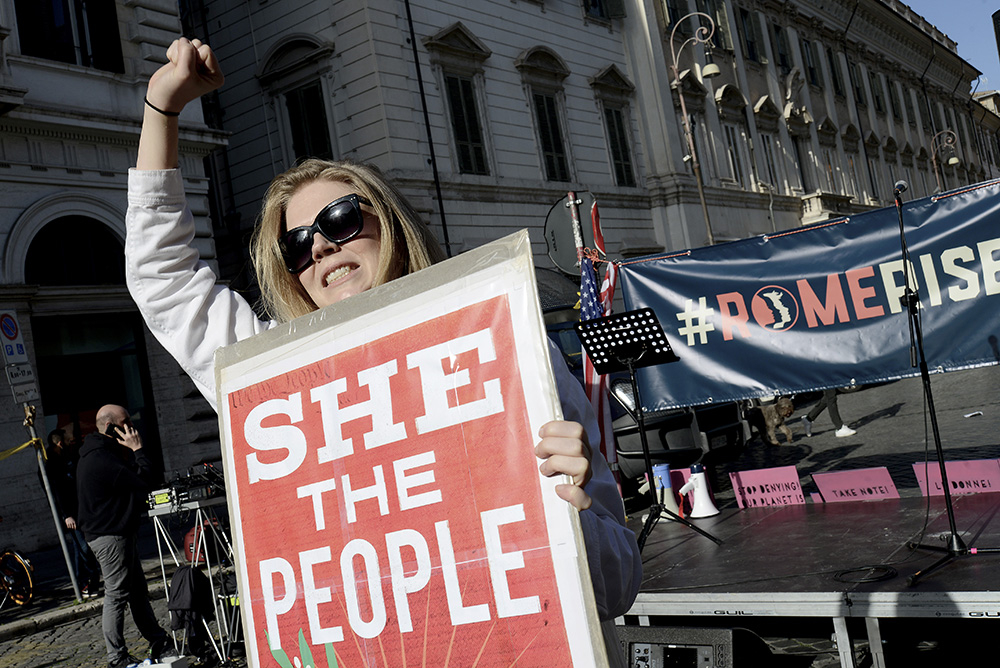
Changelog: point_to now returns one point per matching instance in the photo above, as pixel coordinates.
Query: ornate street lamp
(945, 140)
(701, 36)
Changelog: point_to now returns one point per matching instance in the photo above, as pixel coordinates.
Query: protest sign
(777, 486)
(964, 477)
(858, 485)
(386, 504)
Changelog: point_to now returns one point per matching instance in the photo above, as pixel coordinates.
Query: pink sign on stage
(857, 485)
(965, 477)
(768, 487)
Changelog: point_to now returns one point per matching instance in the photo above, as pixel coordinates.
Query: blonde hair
(406, 244)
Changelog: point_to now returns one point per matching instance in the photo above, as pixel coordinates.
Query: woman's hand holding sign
(564, 450)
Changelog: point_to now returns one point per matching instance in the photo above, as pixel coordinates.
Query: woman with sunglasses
(328, 230)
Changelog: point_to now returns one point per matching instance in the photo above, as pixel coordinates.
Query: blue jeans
(84, 564)
(124, 585)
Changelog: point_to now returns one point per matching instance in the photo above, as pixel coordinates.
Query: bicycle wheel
(16, 573)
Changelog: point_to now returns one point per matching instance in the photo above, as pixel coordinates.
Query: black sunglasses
(339, 221)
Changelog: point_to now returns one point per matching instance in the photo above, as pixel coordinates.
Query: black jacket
(60, 468)
(112, 487)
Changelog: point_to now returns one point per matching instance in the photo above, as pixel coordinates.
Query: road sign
(22, 383)
(13, 348)
(19, 372)
(25, 393)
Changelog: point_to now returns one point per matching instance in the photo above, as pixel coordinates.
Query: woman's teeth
(336, 274)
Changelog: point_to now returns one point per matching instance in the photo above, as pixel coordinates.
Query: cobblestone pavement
(56, 630)
(74, 643)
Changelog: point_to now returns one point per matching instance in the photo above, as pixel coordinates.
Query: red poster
(389, 507)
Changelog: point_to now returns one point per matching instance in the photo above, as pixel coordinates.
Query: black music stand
(626, 342)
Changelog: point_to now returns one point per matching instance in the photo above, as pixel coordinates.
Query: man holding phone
(112, 484)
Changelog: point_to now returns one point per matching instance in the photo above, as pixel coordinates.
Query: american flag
(597, 305)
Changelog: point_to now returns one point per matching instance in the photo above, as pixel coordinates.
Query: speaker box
(676, 647)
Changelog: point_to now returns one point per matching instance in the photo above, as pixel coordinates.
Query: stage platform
(840, 561)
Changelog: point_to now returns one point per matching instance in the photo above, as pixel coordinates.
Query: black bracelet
(158, 110)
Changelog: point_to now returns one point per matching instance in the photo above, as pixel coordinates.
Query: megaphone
(702, 505)
(664, 490)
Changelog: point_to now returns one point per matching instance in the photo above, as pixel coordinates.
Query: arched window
(295, 74)
(694, 95)
(75, 250)
(614, 92)
(767, 115)
(732, 113)
(458, 57)
(543, 73)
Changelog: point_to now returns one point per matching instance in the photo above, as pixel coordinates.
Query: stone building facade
(524, 101)
(819, 109)
(72, 78)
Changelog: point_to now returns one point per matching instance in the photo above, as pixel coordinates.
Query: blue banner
(819, 306)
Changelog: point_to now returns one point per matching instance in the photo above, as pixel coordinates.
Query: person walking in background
(113, 478)
(60, 466)
(828, 402)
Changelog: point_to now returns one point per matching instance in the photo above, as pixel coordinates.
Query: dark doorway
(86, 361)
(87, 357)
(75, 250)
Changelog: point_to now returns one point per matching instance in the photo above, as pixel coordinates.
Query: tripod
(630, 341)
(911, 300)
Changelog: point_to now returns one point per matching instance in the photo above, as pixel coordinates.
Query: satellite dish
(559, 238)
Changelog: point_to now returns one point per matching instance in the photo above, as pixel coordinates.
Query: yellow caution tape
(4, 454)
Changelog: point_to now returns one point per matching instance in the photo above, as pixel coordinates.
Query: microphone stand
(911, 300)
(629, 341)
(656, 509)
